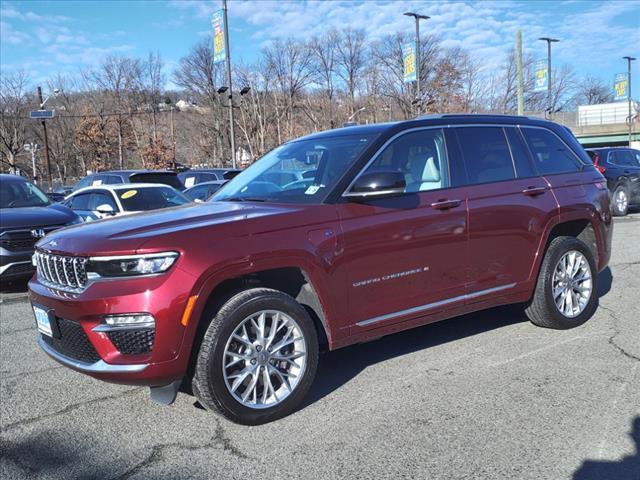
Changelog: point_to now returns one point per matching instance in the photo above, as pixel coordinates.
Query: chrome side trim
(103, 327)
(430, 306)
(9, 265)
(98, 367)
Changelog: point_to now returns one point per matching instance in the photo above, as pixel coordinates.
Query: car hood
(32, 217)
(127, 233)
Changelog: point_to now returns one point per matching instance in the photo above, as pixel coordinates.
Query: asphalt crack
(616, 332)
(67, 409)
(157, 455)
(29, 373)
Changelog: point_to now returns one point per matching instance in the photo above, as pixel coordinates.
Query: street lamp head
(222, 89)
(549, 39)
(245, 90)
(417, 16)
(630, 58)
(56, 91)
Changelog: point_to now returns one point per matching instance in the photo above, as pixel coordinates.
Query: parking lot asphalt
(487, 395)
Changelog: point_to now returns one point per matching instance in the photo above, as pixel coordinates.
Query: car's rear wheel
(620, 201)
(258, 357)
(566, 290)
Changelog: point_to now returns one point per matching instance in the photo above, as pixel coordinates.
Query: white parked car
(93, 203)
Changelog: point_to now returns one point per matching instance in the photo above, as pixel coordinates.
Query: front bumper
(80, 341)
(14, 265)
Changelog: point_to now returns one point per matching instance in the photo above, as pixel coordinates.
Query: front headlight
(130, 265)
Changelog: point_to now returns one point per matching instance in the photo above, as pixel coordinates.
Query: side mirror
(377, 185)
(105, 209)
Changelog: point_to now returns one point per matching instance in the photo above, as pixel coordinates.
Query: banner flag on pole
(219, 51)
(620, 87)
(541, 76)
(409, 60)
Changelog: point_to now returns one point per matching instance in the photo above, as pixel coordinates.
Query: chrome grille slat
(62, 272)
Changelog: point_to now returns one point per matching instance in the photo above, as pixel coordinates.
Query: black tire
(615, 208)
(208, 382)
(542, 310)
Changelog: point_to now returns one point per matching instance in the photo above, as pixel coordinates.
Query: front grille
(22, 240)
(73, 342)
(19, 268)
(58, 271)
(133, 342)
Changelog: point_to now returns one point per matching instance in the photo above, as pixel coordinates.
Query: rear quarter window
(550, 154)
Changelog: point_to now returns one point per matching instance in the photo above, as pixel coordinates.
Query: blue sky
(45, 37)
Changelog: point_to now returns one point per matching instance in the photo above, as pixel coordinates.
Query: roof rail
(468, 115)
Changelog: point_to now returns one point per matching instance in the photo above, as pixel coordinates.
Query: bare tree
(592, 91)
(14, 108)
(351, 60)
(324, 51)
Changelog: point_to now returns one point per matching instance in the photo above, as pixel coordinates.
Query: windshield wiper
(243, 199)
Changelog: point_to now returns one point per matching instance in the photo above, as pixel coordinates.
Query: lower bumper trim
(98, 367)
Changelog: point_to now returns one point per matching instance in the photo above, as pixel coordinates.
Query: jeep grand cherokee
(392, 226)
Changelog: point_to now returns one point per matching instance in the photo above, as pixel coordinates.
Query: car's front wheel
(258, 357)
(620, 201)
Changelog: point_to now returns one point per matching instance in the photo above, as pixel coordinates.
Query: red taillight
(596, 162)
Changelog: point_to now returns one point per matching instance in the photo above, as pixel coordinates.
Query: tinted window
(170, 179)
(622, 158)
(200, 192)
(519, 153)
(420, 157)
(550, 154)
(486, 154)
(636, 155)
(112, 179)
(102, 198)
(150, 198)
(85, 182)
(81, 201)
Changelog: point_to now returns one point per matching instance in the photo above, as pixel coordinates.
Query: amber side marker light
(188, 309)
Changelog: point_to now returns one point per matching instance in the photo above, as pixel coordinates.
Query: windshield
(138, 199)
(302, 171)
(19, 193)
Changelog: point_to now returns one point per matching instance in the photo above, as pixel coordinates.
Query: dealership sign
(42, 114)
(409, 61)
(541, 76)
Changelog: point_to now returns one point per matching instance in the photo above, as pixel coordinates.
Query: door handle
(445, 204)
(534, 191)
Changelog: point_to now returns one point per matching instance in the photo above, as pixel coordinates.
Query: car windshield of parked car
(14, 194)
(302, 171)
(138, 199)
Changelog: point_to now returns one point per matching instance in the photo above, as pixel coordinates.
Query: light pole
(44, 129)
(228, 52)
(32, 148)
(629, 60)
(549, 42)
(417, 17)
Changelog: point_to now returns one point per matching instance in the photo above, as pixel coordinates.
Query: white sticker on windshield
(96, 182)
(312, 190)
(190, 182)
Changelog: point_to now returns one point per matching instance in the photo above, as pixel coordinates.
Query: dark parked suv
(399, 225)
(621, 168)
(113, 177)
(26, 215)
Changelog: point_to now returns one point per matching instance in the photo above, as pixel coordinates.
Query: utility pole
(418, 17)
(46, 140)
(549, 42)
(173, 134)
(629, 60)
(520, 76)
(33, 148)
(228, 52)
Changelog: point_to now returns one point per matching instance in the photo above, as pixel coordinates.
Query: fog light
(135, 320)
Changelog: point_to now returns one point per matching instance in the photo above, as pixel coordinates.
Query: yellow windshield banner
(128, 194)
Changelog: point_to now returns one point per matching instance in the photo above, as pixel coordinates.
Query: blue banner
(219, 50)
(620, 87)
(541, 76)
(409, 61)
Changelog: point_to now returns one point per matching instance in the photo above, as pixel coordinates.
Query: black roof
(435, 119)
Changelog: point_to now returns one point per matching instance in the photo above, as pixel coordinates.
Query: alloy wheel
(621, 200)
(572, 284)
(264, 359)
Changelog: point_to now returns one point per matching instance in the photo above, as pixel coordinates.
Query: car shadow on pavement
(626, 469)
(14, 286)
(337, 368)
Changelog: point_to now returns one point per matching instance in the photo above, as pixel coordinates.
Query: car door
(405, 257)
(509, 206)
(626, 161)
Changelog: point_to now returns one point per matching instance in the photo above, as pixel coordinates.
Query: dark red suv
(387, 227)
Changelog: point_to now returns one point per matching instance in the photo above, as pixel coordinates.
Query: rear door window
(521, 159)
(622, 158)
(550, 154)
(102, 198)
(81, 201)
(486, 154)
